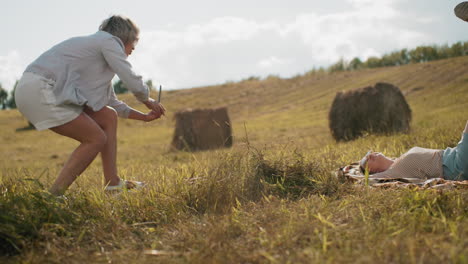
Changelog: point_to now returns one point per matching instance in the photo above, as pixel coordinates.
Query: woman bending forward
(68, 90)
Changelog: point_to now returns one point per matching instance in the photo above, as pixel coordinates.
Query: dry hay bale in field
(202, 129)
(378, 109)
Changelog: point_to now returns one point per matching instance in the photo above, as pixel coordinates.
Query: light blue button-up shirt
(455, 160)
(81, 70)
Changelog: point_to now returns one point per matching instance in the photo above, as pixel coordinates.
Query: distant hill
(276, 200)
(276, 110)
(298, 107)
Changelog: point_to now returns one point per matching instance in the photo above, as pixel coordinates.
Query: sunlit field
(271, 198)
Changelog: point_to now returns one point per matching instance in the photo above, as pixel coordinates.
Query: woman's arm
(388, 174)
(125, 111)
(113, 51)
(137, 115)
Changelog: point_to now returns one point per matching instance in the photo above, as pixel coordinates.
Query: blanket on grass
(351, 173)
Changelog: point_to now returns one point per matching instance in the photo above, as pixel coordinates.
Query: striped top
(418, 162)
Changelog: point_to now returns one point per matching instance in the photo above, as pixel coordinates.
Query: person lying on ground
(68, 89)
(422, 163)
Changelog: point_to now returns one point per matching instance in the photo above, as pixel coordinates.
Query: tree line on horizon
(7, 102)
(420, 54)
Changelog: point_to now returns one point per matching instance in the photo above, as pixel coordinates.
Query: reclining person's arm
(388, 174)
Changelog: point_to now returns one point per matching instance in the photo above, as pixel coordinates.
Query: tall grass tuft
(27, 210)
(217, 185)
(292, 176)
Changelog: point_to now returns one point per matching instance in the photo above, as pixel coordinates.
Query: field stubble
(270, 199)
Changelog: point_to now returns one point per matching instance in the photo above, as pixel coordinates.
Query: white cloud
(271, 62)
(381, 9)
(224, 29)
(11, 69)
(199, 54)
(232, 48)
(228, 48)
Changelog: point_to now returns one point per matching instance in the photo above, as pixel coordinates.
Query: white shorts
(35, 100)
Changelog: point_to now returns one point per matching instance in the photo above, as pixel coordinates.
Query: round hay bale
(202, 129)
(378, 109)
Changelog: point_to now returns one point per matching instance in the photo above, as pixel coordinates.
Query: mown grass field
(272, 198)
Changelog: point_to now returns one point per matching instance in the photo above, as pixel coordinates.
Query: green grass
(271, 198)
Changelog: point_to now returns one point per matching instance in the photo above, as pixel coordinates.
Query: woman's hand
(137, 115)
(158, 108)
(152, 115)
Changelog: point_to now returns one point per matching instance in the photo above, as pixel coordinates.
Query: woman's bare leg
(92, 139)
(107, 118)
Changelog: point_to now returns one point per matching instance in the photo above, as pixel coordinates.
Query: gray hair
(121, 27)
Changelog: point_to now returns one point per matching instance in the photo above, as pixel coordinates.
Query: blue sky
(193, 43)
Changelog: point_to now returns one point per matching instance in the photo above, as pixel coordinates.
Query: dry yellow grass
(269, 199)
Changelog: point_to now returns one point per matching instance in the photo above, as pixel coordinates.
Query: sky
(186, 44)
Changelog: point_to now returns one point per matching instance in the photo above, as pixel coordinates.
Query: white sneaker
(125, 185)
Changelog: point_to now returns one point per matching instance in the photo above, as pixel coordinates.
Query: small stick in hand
(159, 96)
